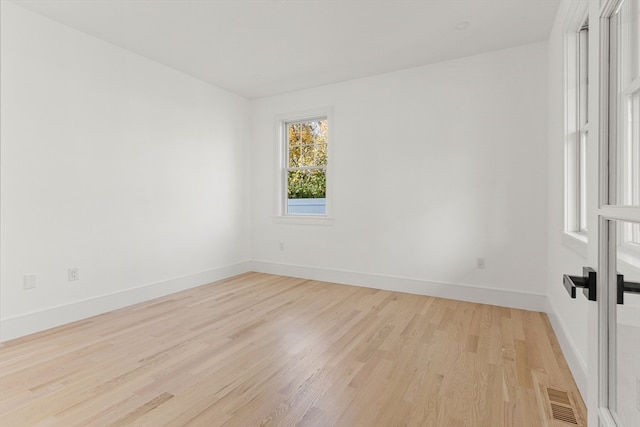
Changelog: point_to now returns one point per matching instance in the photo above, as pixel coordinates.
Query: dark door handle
(587, 281)
(626, 287)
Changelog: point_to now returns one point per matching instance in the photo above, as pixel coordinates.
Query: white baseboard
(471, 293)
(576, 363)
(25, 324)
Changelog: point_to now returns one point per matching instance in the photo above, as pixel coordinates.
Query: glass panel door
(618, 344)
(624, 327)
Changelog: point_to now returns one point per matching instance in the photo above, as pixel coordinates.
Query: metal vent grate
(561, 407)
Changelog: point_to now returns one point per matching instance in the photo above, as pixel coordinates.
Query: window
(624, 111)
(577, 130)
(305, 143)
(582, 126)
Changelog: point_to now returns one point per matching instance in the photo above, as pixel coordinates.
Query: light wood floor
(259, 349)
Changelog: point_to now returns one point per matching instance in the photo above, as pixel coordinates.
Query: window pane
(321, 155)
(294, 157)
(321, 132)
(631, 233)
(624, 349)
(635, 39)
(307, 132)
(583, 69)
(629, 39)
(306, 184)
(306, 156)
(307, 143)
(582, 226)
(316, 206)
(629, 160)
(293, 130)
(626, 91)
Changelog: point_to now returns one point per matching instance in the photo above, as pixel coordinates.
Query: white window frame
(282, 121)
(575, 233)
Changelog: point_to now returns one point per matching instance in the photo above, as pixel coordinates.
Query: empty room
(320, 213)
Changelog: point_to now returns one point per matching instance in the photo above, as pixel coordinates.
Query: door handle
(623, 287)
(587, 281)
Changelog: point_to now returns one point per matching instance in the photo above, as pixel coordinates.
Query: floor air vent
(561, 407)
(563, 413)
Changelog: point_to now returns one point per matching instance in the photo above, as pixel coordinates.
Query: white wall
(568, 316)
(130, 171)
(432, 167)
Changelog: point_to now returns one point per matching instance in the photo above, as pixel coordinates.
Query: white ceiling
(257, 48)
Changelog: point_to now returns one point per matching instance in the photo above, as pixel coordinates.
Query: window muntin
(305, 166)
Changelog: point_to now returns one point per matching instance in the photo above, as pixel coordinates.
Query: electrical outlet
(281, 246)
(74, 274)
(29, 281)
(480, 262)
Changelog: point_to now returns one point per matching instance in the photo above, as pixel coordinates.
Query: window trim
(281, 216)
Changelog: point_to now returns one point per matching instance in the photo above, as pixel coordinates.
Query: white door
(615, 319)
(620, 349)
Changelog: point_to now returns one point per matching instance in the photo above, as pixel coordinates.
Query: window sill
(303, 220)
(576, 242)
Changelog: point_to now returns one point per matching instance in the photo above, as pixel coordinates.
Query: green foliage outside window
(307, 184)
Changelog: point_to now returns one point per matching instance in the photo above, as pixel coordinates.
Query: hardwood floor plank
(258, 349)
